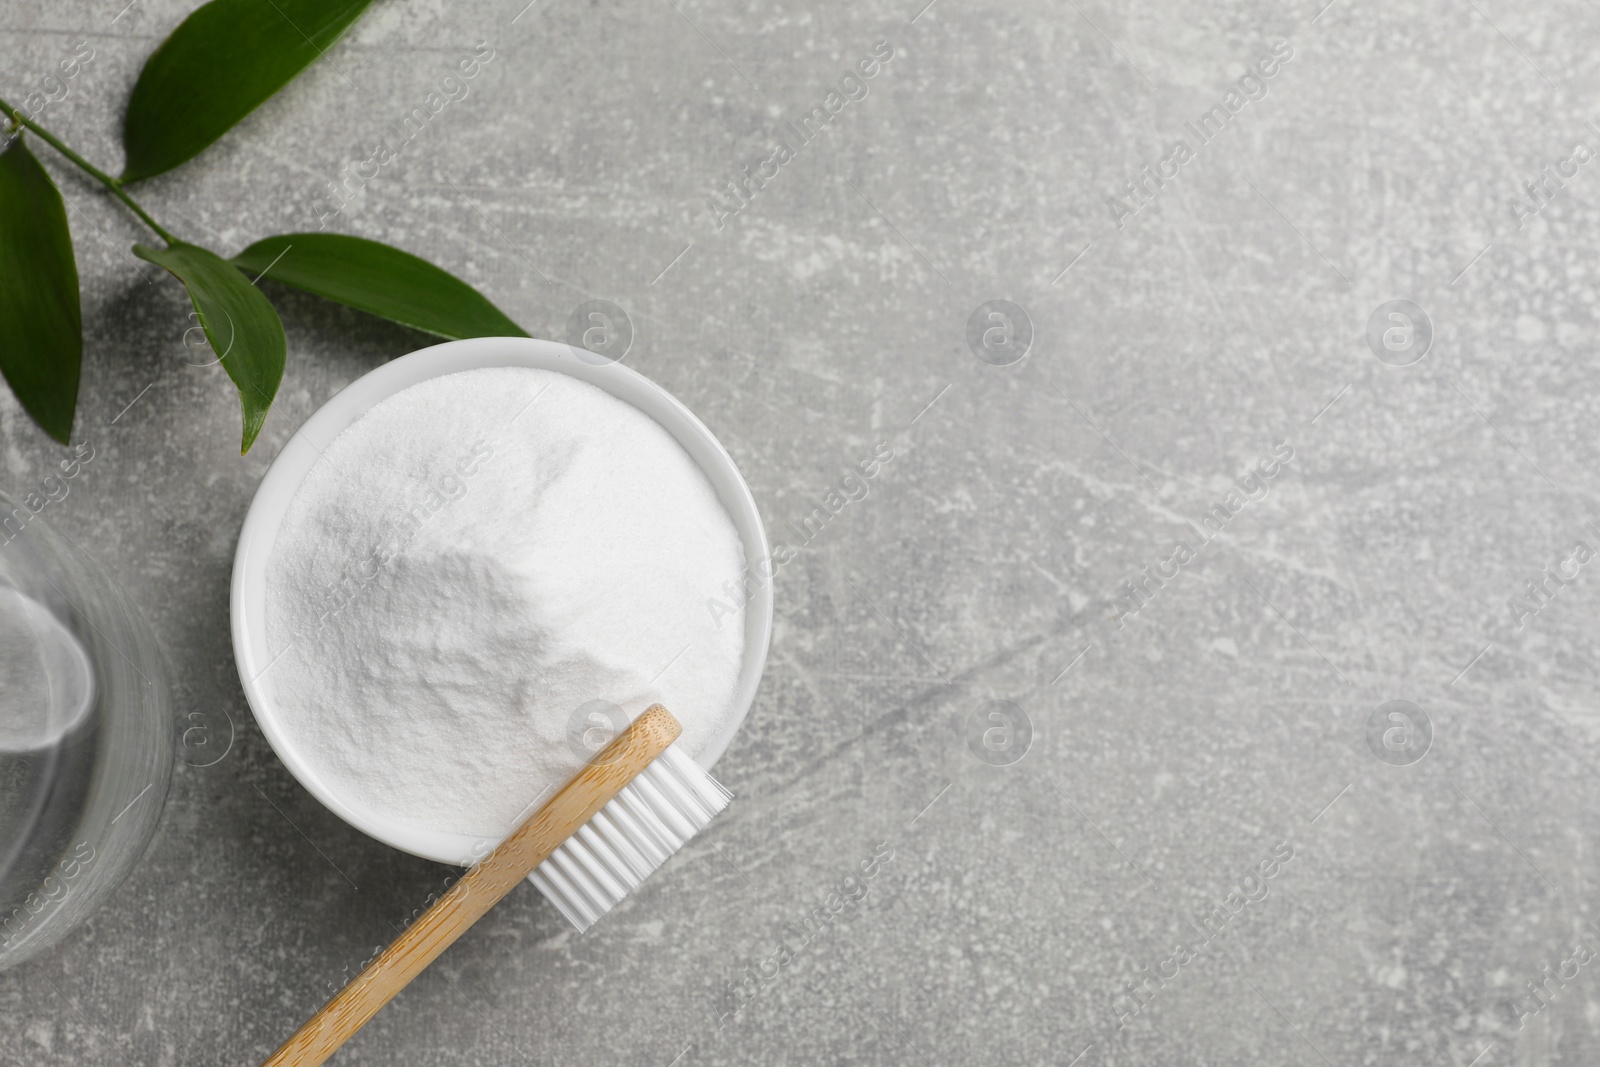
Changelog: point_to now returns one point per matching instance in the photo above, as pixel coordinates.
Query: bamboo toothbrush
(630, 808)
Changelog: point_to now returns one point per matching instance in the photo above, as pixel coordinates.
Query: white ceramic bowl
(289, 469)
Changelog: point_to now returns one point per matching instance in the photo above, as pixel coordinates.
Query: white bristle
(655, 815)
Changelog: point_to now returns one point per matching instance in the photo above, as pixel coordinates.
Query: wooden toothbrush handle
(480, 889)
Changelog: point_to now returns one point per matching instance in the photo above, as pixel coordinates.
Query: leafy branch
(224, 61)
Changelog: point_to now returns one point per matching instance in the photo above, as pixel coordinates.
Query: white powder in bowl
(477, 567)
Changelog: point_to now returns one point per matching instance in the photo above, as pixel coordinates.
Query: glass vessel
(86, 732)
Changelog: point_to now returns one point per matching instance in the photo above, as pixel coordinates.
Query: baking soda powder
(477, 572)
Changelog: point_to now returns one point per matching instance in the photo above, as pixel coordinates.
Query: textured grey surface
(1170, 757)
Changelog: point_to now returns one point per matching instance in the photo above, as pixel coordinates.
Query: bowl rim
(304, 448)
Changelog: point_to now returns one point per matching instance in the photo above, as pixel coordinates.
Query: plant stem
(88, 168)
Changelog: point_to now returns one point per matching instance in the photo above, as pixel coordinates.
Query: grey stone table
(1222, 843)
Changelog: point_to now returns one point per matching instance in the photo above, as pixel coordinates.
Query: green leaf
(239, 322)
(41, 326)
(379, 279)
(220, 64)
